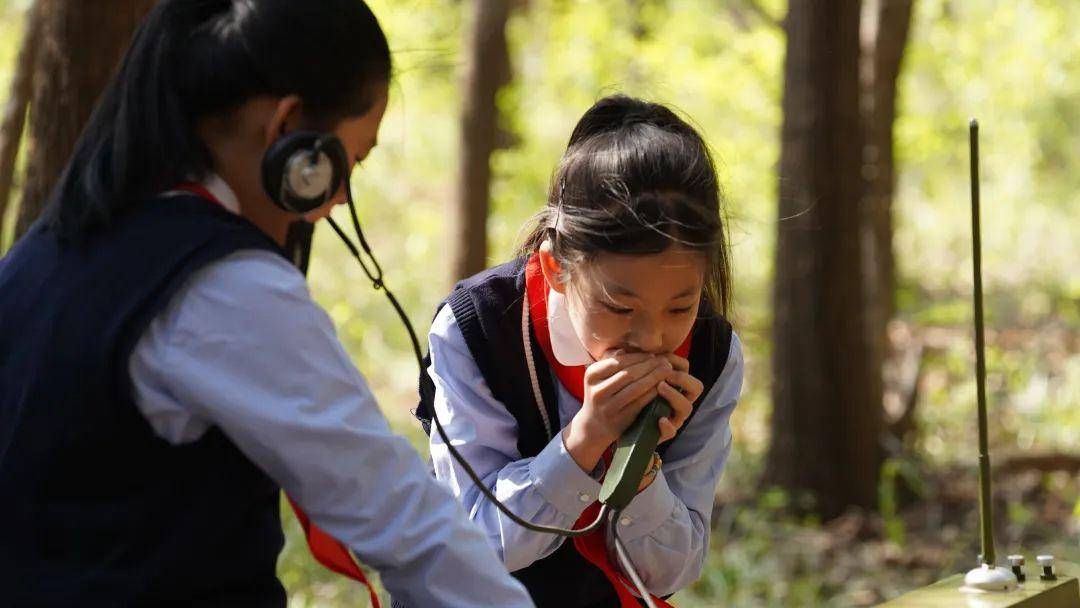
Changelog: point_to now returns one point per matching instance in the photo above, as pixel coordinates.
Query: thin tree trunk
(82, 42)
(488, 70)
(14, 119)
(885, 54)
(884, 41)
(827, 414)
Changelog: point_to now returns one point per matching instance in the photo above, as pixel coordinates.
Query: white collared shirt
(242, 346)
(665, 528)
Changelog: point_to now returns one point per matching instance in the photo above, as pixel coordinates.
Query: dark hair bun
(620, 111)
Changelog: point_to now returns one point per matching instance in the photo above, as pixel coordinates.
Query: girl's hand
(616, 389)
(681, 390)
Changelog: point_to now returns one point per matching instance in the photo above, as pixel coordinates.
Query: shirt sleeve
(550, 489)
(666, 527)
(244, 347)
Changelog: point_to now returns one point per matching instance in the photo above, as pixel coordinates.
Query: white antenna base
(989, 579)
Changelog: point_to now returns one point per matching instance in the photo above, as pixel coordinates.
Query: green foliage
(1012, 65)
(757, 559)
(897, 474)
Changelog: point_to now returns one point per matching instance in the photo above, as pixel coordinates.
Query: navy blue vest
(487, 308)
(95, 508)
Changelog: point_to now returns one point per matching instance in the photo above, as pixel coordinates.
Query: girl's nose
(647, 337)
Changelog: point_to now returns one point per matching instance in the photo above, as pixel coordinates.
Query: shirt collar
(218, 190)
(565, 343)
(222, 192)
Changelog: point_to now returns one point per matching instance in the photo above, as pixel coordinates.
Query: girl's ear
(286, 117)
(550, 266)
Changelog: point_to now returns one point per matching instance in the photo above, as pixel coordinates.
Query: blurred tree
(81, 43)
(487, 71)
(885, 38)
(827, 415)
(14, 118)
(884, 42)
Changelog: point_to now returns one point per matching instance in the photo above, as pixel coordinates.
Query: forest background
(840, 131)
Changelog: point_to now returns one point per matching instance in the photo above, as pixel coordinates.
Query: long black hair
(192, 59)
(635, 179)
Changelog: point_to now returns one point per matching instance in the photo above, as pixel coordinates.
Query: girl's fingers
(690, 386)
(680, 364)
(680, 405)
(607, 367)
(635, 406)
(625, 416)
(632, 392)
(667, 430)
(623, 377)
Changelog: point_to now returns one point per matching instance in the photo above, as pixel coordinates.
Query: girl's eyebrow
(625, 291)
(622, 290)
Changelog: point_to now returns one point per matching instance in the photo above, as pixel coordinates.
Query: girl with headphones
(164, 371)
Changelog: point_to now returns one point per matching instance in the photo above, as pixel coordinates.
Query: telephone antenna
(986, 518)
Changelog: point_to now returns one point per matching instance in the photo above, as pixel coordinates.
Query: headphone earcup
(302, 170)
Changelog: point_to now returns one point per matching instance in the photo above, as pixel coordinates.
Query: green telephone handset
(633, 453)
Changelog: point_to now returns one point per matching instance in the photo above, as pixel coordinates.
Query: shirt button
(583, 497)
(626, 521)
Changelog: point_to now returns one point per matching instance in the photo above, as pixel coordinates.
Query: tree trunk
(826, 363)
(82, 42)
(488, 70)
(884, 53)
(14, 119)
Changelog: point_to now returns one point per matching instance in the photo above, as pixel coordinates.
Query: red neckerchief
(328, 551)
(591, 546)
(200, 191)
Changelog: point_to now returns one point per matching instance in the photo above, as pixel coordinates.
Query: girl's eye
(618, 309)
(681, 311)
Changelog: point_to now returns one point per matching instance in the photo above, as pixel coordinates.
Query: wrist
(585, 450)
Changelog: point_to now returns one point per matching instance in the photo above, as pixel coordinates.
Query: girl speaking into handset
(619, 296)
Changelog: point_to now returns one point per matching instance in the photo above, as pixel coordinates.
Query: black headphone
(302, 170)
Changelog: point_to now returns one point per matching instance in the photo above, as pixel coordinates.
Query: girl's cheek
(591, 331)
(680, 334)
(602, 332)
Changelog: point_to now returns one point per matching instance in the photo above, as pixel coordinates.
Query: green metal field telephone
(1060, 592)
(991, 586)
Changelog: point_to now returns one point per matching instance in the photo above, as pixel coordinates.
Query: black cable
(377, 282)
